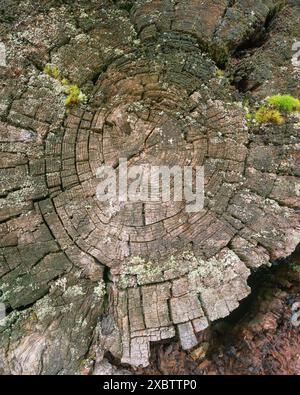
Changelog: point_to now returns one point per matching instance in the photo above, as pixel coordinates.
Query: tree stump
(81, 277)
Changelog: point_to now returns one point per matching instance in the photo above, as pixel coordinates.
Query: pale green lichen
(44, 309)
(74, 291)
(60, 283)
(142, 269)
(207, 269)
(210, 273)
(29, 187)
(149, 271)
(10, 319)
(100, 289)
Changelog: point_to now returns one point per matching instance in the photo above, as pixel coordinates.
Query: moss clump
(74, 94)
(274, 110)
(219, 73)
(52, 71)
(284, 103)
(268, 115)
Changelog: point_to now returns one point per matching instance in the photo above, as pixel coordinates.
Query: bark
(81, 278)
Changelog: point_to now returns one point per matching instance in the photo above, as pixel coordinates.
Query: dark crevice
(115, 361)
(273, 14)
(106, 275)
(257, 281)
(107, 279)
(124, 5)
(143, 214)
(10, 309)
(244, 85)
(97, 74)
(261, 35)
(252, 43)
(103, 68)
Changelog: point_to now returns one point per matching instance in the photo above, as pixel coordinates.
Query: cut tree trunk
(80, 277)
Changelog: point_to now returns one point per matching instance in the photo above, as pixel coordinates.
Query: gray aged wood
(80, 277)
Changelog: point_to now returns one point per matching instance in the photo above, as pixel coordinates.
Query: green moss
(249, 117)
(284, 103)
(274, 109)
(219, 73)
(74, 94)
(52, 71)
(268, 115)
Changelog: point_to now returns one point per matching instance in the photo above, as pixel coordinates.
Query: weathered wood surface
(78, 281)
